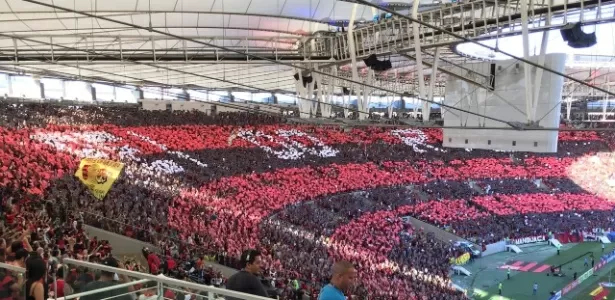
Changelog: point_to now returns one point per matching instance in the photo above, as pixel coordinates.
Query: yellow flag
(99, 175)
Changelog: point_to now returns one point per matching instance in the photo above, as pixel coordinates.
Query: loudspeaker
(576, 38)
(306, 80)
(492, 77)
(373, 63)
(371, 60)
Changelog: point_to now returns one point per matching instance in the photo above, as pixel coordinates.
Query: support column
(64, 90)
(364, 100)
(275, 98)
(326, 109)
(139, 94)
(37, 81)
(419, 60)
(526, 54)
(302, 92)
(432, 86)
(346, 102)
(568, 108)
(10, 82)
(353, 57)
(605, 103)
(541, 61)
(319, 92)
(310, 95)
(390, 102)
(92, 91)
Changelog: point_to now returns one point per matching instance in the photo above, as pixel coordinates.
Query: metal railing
(156, 284)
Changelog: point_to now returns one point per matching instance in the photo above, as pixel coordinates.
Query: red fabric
(171, 264)
(60, 283)
(154, 263)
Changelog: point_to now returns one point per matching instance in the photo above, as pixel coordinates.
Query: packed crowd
(200, 186)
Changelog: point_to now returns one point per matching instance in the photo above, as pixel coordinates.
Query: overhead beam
(447, 72)
(159, 58)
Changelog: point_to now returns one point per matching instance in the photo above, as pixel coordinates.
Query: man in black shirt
(107, 280)
(246, 280)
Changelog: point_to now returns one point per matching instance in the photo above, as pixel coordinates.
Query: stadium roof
(93, 48)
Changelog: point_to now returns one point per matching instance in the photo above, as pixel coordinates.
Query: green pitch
(519, 287)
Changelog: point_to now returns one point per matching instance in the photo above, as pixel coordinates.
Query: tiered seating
(199, 185)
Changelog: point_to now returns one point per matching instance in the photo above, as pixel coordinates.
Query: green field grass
(519, 287)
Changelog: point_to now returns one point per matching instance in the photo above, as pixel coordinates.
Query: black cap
(111, 262)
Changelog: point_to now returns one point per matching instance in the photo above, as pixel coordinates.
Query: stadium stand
(207, 187)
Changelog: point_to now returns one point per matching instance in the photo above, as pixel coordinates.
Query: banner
(529, 240)
(99, 175)
(461, 260)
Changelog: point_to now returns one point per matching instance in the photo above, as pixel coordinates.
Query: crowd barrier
(149, 283)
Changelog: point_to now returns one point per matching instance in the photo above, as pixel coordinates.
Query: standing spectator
(20, 258)
(36, 287)
(64, 289)
(106, 280)
(535, 288)
(344, 275)
(246, 280)
(500, 289)
(153, 261)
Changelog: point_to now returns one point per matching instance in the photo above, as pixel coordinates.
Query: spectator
(36, 285)
(153, 261)
(20, 258)
(247, 280)
(106, 280)
(344, 276)
(64, 289)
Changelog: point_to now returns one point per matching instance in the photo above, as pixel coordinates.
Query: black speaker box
(576, 38)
